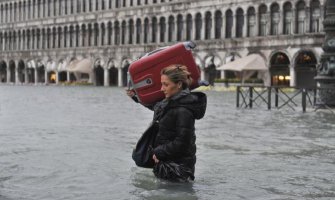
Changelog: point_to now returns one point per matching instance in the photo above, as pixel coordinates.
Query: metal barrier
(251, 95)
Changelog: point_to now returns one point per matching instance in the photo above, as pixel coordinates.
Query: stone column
(68, 77)
(106, 77)
(120, 77)
(293, 76)
(36, 75)
(8, 72)
(26, 75)
(17, 80)
(57, 77)
(45, 76)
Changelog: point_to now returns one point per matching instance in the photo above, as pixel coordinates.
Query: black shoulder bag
(143, 152)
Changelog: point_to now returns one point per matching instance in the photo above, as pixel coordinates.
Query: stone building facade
(41, 40)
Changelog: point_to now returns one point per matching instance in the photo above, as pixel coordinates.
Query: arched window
(109, 33)
(117, 33)
(275, 18)
(154, 29)
(229, 23)
(180, 27)
(60, 37)
(77, 37)
(251, 22)
(218, 24)
(263, 20)
(138, 31)
(162, 26)
(90, 35)
(84, 35)
(53, 39)
(131, 31)
(189, 25)
(90, 6)
(117, 3)
(315, 16)
(171, 28)
(239, 22)
(123, 32)
(84, 6)
(198, 26)
(96, 34)
(96, 5)
(146, 30)
(301, 16)
(103, 34)
(64, 36)
(287, 18)
(208, 25)
(48, 39)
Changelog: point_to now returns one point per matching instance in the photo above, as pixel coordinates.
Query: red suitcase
(144, 73)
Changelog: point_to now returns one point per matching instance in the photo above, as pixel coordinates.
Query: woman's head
(175, 78)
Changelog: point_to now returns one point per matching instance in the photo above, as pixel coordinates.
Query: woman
(174, 149)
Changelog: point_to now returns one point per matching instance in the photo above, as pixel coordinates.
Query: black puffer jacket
(176, 138)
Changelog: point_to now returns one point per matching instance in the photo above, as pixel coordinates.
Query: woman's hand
(155, 159)
(130, 93)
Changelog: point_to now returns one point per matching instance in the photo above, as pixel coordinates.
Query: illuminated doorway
(279, 70)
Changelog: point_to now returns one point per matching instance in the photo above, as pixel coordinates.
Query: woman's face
(169, 88)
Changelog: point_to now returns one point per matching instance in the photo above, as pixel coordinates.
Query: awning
(252, 62)
(82, 66)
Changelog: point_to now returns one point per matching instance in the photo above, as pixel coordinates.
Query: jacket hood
(194, 101)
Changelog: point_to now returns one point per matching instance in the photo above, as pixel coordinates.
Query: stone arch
(280, 68)
(21, 70)
(305, 64)
(212, 61)
(41, 71)
(98, 70)
(125, 66)
(112, 73)
(30, 68)
(12, 69)
(3, 72)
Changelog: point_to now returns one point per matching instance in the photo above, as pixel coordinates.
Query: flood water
(75, 143)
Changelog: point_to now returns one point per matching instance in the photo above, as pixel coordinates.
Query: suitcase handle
(154, 51)
(143, 83)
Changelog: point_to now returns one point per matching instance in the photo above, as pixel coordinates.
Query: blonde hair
(178, 73)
